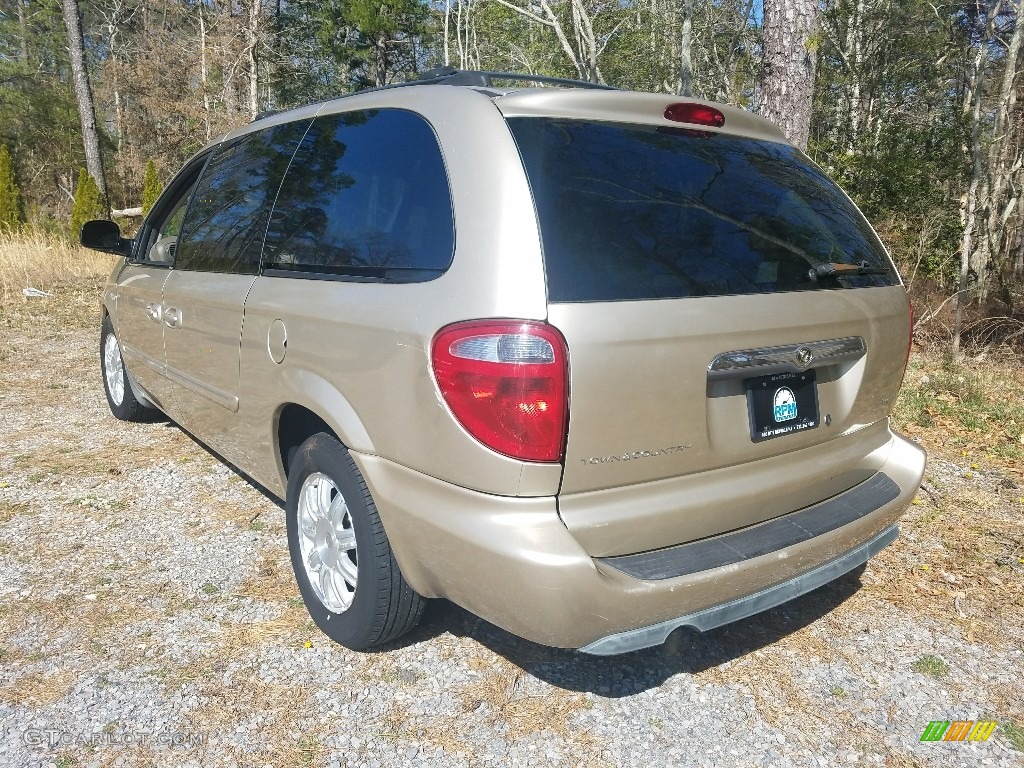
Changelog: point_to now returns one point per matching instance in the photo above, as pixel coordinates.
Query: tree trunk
(23, 31)
(586, 41)
(685, 51)
(381, 61)
(447, 26)
(790, 33)
(742, 22)
(83, 93)
(473, 55)
(1004, 165)
(856, 62)
(973, 99)
(203, 74)
(113, 29)
(970, 216)
(252, 42)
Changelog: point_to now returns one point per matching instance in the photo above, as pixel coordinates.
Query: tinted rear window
(642, 212)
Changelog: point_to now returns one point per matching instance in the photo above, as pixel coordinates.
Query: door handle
(153, 311)
(172, 317)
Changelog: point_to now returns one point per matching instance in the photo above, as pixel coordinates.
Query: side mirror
(102, 235)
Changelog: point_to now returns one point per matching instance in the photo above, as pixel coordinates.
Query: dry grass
(31, 258)
(971, 408)
(776, 695)
(501, 700)
(962, 556)
(503, 689)
(38, 688)
(98, 622)
(272, 583)
(287, 736)
(77, 461)
(960, 561)
(1008, 703)
(8, 509)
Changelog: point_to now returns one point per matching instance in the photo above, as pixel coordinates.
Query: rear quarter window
(366, 196)
(644, 212)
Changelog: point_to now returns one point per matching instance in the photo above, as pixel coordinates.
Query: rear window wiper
(835, 270)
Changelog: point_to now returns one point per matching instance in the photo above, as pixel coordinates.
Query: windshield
(643, 212)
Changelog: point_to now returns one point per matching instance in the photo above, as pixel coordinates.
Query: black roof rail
(452, 76)
(469, 77)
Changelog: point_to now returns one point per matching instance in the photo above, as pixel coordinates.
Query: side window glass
(163, 245)
(172, 224)
(224, 228)
(158, 238)
(367, 195)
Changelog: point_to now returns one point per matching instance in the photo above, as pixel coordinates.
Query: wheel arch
(296, 424)
(106, 313)
(314, 405)
(140, 394)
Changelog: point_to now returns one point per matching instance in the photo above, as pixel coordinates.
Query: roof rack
(468, 77)
(452, 76)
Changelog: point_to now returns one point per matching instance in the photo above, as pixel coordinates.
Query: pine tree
(88, 203)
(150, 188)
(10, 197)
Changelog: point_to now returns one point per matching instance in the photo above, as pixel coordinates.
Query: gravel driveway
(148, 617)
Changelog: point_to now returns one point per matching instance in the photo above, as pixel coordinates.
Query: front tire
(120, 396)
(343, 562)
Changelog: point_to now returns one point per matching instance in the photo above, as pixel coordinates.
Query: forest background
(912, 106)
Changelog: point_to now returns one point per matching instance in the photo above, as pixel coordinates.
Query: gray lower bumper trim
(726, 613)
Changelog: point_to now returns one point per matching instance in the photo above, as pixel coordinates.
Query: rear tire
(120, 395)
(343, 562)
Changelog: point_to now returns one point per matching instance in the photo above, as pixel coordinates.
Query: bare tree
(973, 98)
(685, 50)
(83, 93)
(117, 16)
(461, 17)
(993, 195)
(1005, 161)
(23, 32)
(790, 33)
(252, 49)
(204, 77)
(585, 46)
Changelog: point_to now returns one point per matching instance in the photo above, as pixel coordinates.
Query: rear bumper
(513, 562)
(726, 613)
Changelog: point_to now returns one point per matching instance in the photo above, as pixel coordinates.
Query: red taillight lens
(507, 382)
(695, 114)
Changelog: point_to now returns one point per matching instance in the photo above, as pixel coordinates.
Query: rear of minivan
(725, 340)
(606, 363)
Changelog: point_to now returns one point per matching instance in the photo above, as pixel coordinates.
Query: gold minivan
(593, 364)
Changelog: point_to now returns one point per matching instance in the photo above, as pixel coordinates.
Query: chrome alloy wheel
(327, 542)
(113, 369)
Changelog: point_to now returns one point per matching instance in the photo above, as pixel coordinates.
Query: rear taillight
(507, 382)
